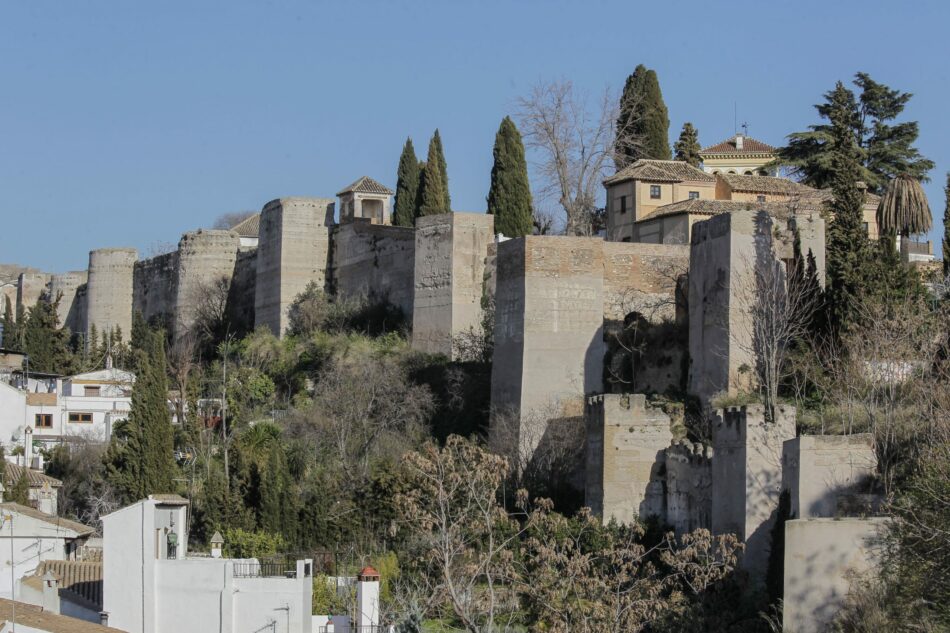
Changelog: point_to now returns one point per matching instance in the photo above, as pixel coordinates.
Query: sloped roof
(106, 375)
(59, 522)
(367, 185)
(35, 617)
(728, 146)
(249, 226)
(765, 184)
(660, 171)
(169, 498)
(82, 579)
(716, 207)
(34, 478)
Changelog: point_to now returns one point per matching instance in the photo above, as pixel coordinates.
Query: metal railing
(266, 569)
(374, 628)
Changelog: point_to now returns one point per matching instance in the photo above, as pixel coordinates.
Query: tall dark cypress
(407, 185)
(946, 229)
(140, 459)
(420, 186)
(848, 244)
(509, 197)
(643, 124)
(9, 326)
(687, 146)
(435, 181)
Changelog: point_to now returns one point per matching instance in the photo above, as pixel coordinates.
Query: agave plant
(904, 208)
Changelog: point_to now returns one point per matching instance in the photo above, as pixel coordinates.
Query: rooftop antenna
(735, 117)
(745, 129)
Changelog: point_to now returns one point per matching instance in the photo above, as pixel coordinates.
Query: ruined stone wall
(819, 471)
(688, 486)
(155, 287)
(627, 442)
(642, 278)
(747, 477)
(450, 278)
(375, 262)
(206, 260)
(71, 310)
(293, 250)
(30, 287)
(109, 290)
(241, 296)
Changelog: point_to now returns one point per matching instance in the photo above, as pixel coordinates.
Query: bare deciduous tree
(227, 220)
(574, 141)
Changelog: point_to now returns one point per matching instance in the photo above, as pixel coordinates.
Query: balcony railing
(266, 569)
(375, 628)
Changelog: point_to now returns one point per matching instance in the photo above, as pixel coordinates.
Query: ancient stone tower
(109, 290)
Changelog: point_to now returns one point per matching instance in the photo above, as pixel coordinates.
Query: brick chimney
(738, 141)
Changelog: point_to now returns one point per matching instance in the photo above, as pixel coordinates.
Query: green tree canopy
(884, 149)
(687, 145)
(407, 186)
(10, 334)
(509, 197)
(946, 228)
(904, 208)
(45, 342)
(643, 124)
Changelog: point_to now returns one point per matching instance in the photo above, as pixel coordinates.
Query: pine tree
(848, 245)
(946, 229)
(509, 197)
(643, 125)
(435, 181)
(885, 149)
(140, 459)
(9, 325)
(407, 185)
(687, 146)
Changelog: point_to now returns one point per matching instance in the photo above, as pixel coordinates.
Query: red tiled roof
(728, 146)
(367, 185)
(660, 171)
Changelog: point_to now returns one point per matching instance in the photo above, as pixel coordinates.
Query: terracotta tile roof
(169, 498)
(35, 617)
(81, 581)
(765, 184)
(660, 171)
(716, 207)
(34, 478)
(249, 226)
(367, 185)
(728, 146)
(74, 526)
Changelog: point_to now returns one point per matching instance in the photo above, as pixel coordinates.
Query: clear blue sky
(128, 123)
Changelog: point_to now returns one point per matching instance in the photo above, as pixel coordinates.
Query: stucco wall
(822, 558)
(374, 261)
(293, 250)
(450, 278)
(109, 290)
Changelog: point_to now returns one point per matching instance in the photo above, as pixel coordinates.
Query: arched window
(732, 171)
(748, 172)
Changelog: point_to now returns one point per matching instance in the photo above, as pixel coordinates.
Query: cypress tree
(46, 344)
(946, 229)
(140, 459)
(407, 185)
(278, 506)
(435, 181)
(509, 197)
(643, 125)
(687, 146)
(420, 186)
(9, 325)
(848, 245)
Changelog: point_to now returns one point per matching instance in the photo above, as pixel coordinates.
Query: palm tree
(904, 208)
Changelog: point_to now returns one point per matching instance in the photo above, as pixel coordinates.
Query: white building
(42, 490)
(30, 537)
(84, 406)
(152, 585)
(29, 618)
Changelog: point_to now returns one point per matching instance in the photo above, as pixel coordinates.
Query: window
(626, 239)
(760, 198)
(655, 192)
(694, 195)
(80, 417)
(43, 421)
(623, 204)
(92, 391)
(866, 228)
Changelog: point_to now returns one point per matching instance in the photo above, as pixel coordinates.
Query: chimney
(104, 618)
(738, 141)
(217, 543)
(28, 446)
(50, 592)
(109, 360)
(367, 600)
